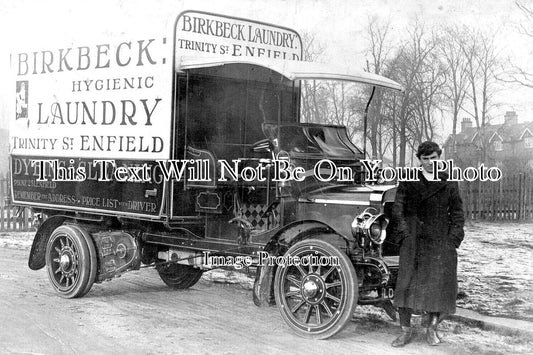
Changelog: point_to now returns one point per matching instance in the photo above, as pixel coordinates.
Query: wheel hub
(313, 289)
(310, 288)
(67, 261)
(64, 262)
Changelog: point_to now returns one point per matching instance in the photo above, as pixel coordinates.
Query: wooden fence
(13, 218)
(511, 198)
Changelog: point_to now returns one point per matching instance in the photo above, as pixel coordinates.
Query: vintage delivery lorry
(187, 152)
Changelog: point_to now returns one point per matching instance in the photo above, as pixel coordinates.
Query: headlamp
(372, 226)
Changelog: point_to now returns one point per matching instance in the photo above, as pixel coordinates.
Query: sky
(338, 25)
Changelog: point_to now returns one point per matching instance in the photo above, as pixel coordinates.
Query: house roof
(527, 131)
(495, 136)
(506, 132)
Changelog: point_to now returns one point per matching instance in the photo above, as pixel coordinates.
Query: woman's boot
(407, 331)
(431, 334)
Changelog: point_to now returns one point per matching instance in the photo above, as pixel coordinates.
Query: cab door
(221, 114)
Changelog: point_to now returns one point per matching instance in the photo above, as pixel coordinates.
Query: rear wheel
(178, 276)
(318, 299)
(71, 261)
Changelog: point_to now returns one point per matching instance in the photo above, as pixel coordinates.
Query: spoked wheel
(178, 276)
(316, 299)
(71, 261)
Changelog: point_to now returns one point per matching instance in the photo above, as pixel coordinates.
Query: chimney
(510, 118)
(467, 123)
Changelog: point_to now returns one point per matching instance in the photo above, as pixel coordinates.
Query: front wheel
(71, 261)
(178, 276)
(316, 298)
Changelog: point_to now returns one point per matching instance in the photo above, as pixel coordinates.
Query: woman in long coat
(429, 219)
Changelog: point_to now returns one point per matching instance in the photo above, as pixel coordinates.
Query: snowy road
(138, 314)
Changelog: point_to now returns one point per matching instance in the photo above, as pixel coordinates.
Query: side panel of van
(90, 122)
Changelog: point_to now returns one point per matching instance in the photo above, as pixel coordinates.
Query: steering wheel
(263, 145)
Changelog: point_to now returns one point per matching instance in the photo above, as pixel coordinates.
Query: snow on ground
(495, 269)
(16, 240)
(495, 277)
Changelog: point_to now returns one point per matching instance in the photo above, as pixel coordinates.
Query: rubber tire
(350, 291)
(86, 264)
(179, 276)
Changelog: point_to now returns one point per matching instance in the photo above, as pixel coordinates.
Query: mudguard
(263, 292)
(38, 249)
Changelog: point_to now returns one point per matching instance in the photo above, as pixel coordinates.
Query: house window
(528, 142)
(498, 146)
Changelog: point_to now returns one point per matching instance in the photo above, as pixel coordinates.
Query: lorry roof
(293, 70)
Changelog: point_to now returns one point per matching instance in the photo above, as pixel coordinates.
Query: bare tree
(396, 122)
(526, 27)
(515, 73)
(413, 58)
(456, 71)
(428, 98)
(379, 49)
(482, 63)
(339, 103)
(310, 106)
(326, 101)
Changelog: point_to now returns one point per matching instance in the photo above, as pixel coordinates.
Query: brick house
(508, 145)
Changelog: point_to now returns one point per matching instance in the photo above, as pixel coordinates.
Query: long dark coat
(429, 223)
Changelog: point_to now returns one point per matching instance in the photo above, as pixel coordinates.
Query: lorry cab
(242, 116)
